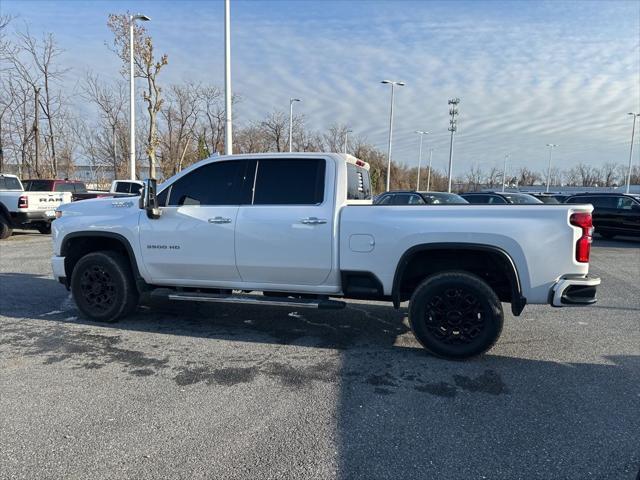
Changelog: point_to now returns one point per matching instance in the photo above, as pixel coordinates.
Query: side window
(477, 199)
(217, 183)
(65, 187)
(625, 203)
(495, 200)
(604, 202)
(358, 183)
(416, 200)
(386, 200)
(401, 199)
(289, 182)
(122, 187)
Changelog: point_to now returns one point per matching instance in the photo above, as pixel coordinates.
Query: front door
(285, 234)
(192, 243)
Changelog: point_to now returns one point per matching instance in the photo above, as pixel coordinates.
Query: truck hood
(101, 206)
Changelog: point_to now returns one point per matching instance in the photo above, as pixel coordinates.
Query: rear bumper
(25, 218)
(574, 290)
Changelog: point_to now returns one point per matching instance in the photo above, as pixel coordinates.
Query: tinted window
(218, 183)
(385, 200)
(38, 185)
(476, 198)
(9, 183)
(441, 198)
(521, 199)
(289, 182)
(358, 183)
(494, 199)
(65, 187)
(604, 202)
(625, 203)
(123, 187)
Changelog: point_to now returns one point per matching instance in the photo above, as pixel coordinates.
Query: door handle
(313, 221)
(219, 220)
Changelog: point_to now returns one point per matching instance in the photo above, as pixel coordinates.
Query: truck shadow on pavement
(399, 413)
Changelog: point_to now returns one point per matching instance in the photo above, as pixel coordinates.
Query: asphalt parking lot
(195, 391)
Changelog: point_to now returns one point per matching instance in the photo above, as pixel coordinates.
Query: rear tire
(45, 229)
(5, 228)
(103, 287)
(456, 315)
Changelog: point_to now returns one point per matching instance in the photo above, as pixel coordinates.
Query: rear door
(285, 236)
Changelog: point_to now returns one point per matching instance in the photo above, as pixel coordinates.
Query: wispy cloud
(528, 73)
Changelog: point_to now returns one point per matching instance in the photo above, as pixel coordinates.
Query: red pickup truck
(77, 188)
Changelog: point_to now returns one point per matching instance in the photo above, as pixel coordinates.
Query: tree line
(46, 132)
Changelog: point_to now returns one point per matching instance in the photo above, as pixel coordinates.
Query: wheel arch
(4, 212)
(423, 260)
(77, 244)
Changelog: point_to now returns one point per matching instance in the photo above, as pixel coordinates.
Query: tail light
(583, 245)
(23, 201)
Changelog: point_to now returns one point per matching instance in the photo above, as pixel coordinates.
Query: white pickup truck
(30, 210)
(300, 229)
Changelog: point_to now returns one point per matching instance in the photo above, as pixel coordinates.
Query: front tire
(456, 315)
(103, 287)
(5, 228)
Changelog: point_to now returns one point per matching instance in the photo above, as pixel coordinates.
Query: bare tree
(608, 174)
(147, 67)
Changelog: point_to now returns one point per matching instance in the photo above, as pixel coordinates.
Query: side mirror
(149, 199)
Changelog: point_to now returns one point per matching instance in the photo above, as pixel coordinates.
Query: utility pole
(551, 147)
(429, 173)
(633, 131)
(453, 126)
(346, 139)
(228, 134)
(36, 130)
(291, 101)
(393, 83)
(422, 134)
(132, 103)
(504, 171)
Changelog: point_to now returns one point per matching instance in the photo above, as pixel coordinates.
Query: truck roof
(288, 155)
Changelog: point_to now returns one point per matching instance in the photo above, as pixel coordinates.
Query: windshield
(521, 198)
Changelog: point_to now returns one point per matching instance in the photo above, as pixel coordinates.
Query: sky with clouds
(528, 73)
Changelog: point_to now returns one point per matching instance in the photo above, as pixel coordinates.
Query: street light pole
(429, 173)
(132, 106)
(633, 131)
(453, 126)
(393, 83)
(422, 134)
(551, 147)
(346, 139)
(504, 171)
(228, 127)
(291, 100)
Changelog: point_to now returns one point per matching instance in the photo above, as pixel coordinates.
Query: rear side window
(123, 187)
(9, 183)
(604, 202)
(477, 198)
(494, 199)
(38, 185)
(358, 183)
(217, 183)
(289, 182)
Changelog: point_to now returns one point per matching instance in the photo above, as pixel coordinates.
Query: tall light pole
(393, 83)
(346, 139)
(429, 173)
(633, 131)
(291, 100)
(453, 126)
(504, 171)
(228, 127)
(132, 94)
(422, 134)
(551, 147)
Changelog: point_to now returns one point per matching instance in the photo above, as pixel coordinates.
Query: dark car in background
(409, 197)
(77, 188)
(500, 198)
(613, 213)
(549, 198)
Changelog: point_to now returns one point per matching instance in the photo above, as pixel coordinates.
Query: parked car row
(614, 213)
(32, 205)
